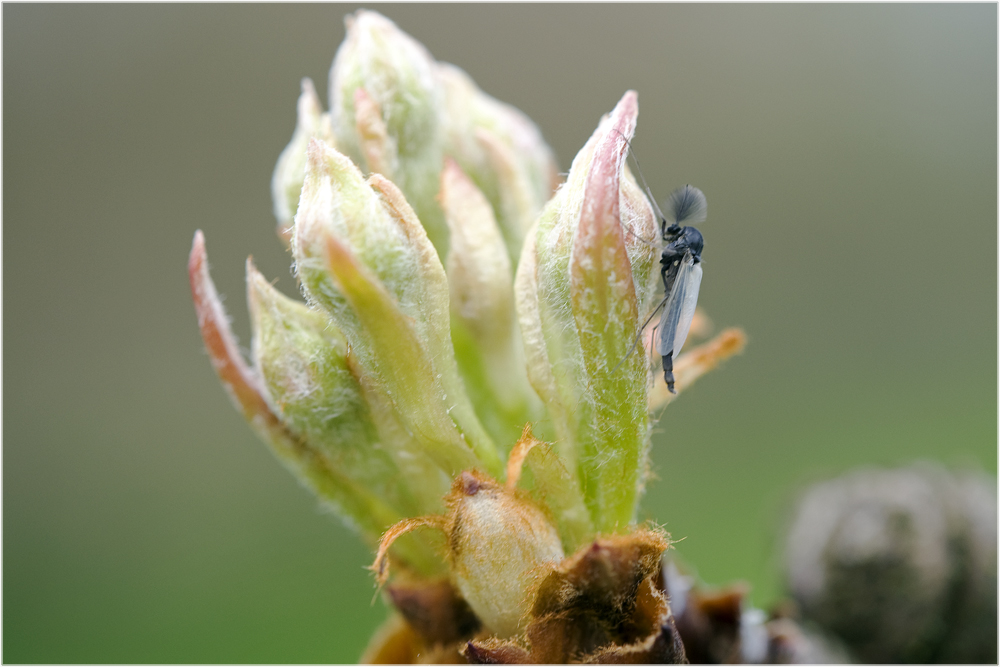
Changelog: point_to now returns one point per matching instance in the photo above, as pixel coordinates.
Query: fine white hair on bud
(362, 256)
(583, 280)
(457, 301)
(303, 362)
(395, 123)
(484, 321)
(501, 150)
(500, 545)
(289, 173)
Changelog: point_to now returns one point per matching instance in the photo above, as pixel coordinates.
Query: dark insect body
(680, 269)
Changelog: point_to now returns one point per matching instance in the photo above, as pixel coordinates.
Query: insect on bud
(500, 546)
(454, 302)
(585, 278)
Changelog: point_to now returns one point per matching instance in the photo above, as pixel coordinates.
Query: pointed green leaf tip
(363, 257)
(581, 285)
(402, 97)
(484, 322)
(357, 505)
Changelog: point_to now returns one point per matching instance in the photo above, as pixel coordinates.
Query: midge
(680, 269)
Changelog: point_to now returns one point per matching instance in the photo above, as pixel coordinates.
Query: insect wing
(679, 309)
(692, 283)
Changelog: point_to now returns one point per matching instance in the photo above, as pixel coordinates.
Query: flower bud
(479, 272)
(501, 150)
(385, 392)
(585, 278)
(286, 184)
(304, 364)
(320, 468)
(397, 116)
(363, 257)
(500, 546)
(484, 322)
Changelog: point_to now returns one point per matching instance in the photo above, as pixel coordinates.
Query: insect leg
(638, 336)
(652, 350)
(668, 370)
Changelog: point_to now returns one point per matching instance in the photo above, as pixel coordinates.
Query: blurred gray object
(719, 627)
(900, 564)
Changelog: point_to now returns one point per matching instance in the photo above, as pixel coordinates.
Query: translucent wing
(679, 309)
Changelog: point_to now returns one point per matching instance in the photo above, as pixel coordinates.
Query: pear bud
(484, 322)
(362, 256)
(585, 278)
(397, 117)
(900, 564)
(289, 173)
(501, 150)
(500, 546)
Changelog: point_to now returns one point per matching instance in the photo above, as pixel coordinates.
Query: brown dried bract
(602, 605)
(434, 610)
(397, 643)
(495, 651)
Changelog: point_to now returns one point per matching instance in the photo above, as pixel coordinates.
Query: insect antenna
(687, 204)
(649, 193)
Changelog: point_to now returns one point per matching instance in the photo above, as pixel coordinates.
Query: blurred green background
(849, 154)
